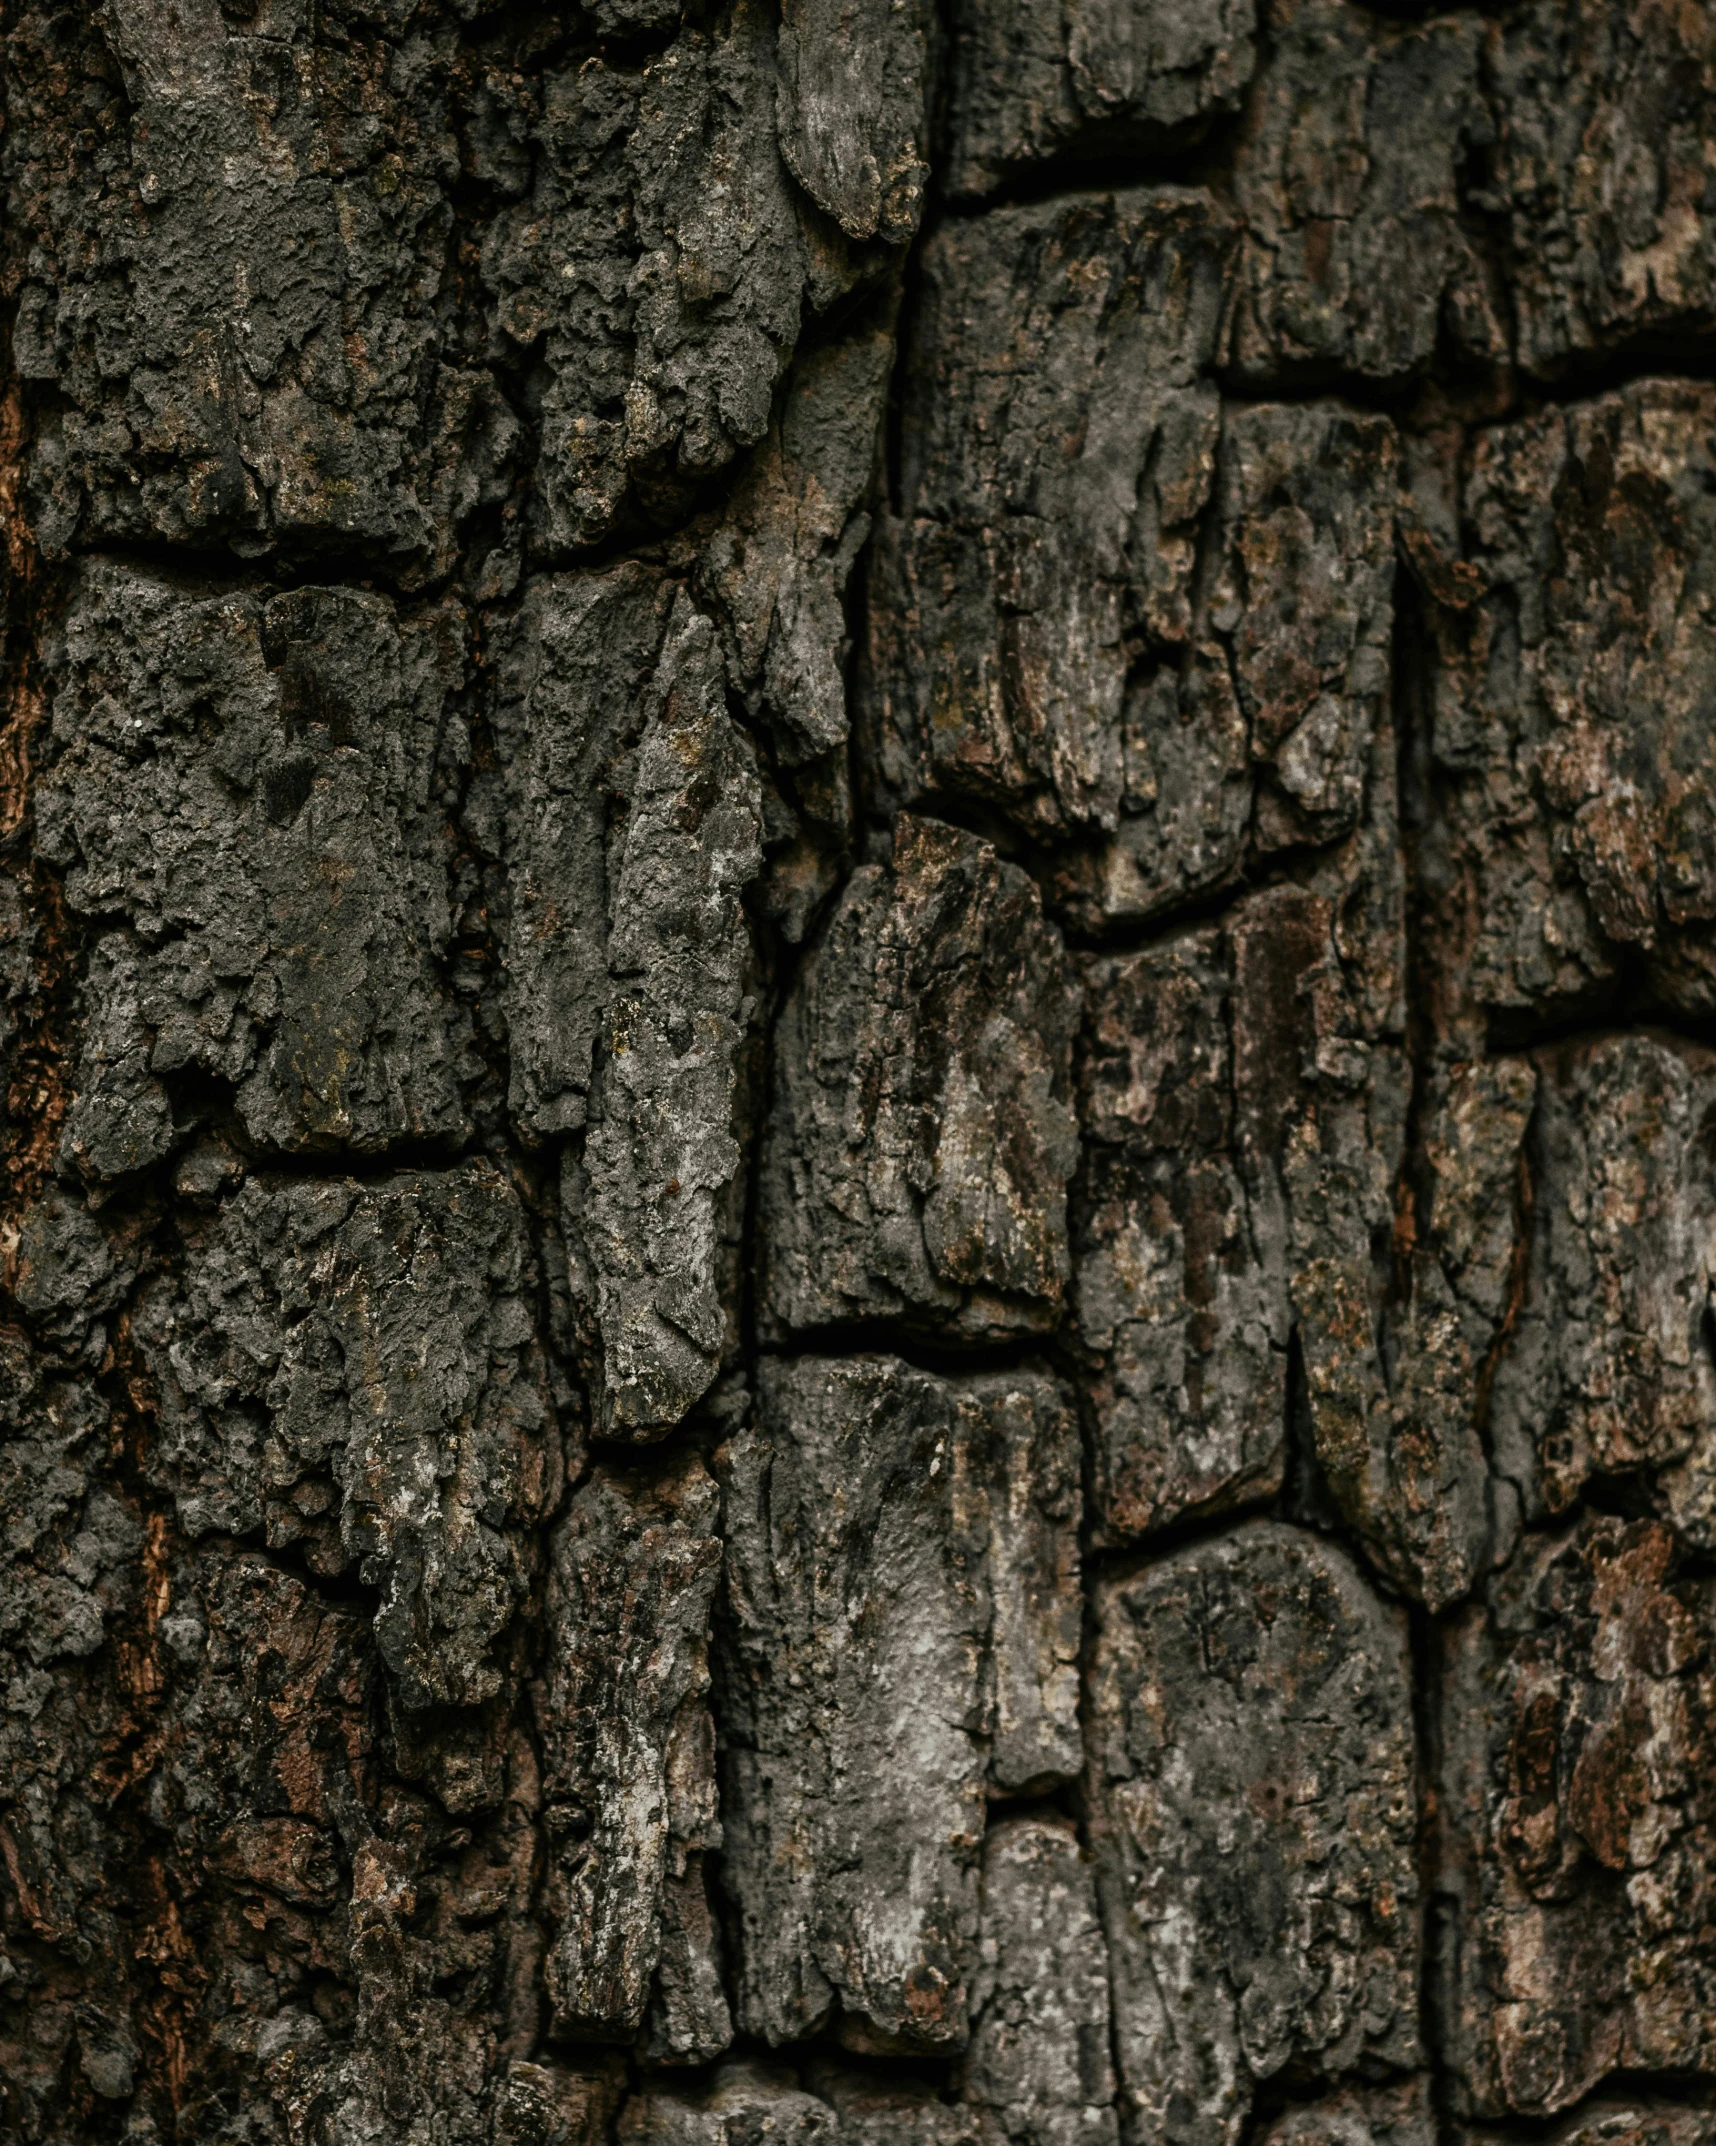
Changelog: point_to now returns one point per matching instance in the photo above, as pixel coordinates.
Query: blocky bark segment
(897, 2111)
(627, 807)
(1609, 1372)
(922, 1134)
(1253, 1814)
(1182, 1278)
(1247, 1115)
(250, 795)
(657, 1211)
(853, 110)
(1600, 175)
(1261, 731)
(661, 258)
(1085, 324)
(903, 1628)
(1303, 604)
(1399, 2115)
(1570, 718)
(266, 1787)
(744, 2103)
(1043, 637)
(327, 1951)
(441, 1949)
(1450, 195)
(1578, 1711)
(70, 1558)
(70, 1272)
(350, 1370)
(68, 1538)
(1425, 1491)
(1359, 254)
(574, 665)
(257, 292)
(545, 2105)
(776, 569)
(1400, 1259)
(1091, 78)
(237, 284)
(628, 1779)
(1623, 2122)
(1039, 2064)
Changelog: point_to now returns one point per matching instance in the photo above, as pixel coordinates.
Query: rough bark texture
(858, 1053)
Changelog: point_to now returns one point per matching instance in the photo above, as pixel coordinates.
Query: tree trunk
(858, 983)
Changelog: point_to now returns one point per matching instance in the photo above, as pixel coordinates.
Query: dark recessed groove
(924, 1351)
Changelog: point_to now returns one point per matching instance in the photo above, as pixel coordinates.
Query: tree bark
(858, 992)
